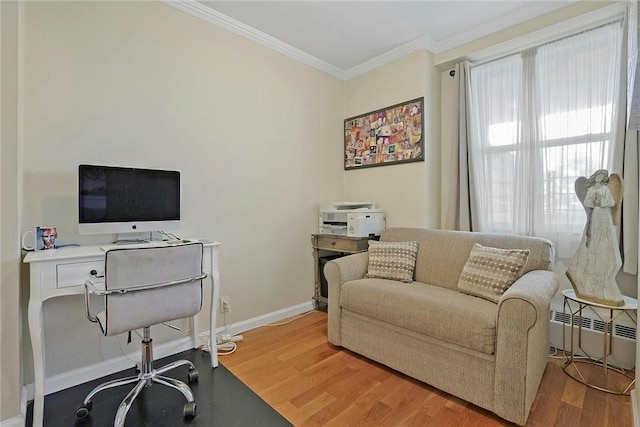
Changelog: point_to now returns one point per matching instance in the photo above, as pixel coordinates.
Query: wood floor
(312, 383)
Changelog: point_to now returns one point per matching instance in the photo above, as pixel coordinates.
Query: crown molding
(200, 11)
(531, 11)
(401, 51)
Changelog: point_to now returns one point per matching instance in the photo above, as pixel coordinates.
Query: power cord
(288, 321)
(229, 347)
(226, 348)
(554, 354)
(169, 236)
(222, 349)
(227, 325)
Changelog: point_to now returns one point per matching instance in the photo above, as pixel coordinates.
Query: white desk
(61, 272)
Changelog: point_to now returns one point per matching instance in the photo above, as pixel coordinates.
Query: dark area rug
(221, 399)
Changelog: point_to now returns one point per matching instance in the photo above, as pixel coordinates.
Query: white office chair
(144, 287)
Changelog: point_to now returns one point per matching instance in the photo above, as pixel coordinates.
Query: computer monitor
(127, 200)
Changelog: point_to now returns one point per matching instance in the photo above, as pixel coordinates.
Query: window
(538, 120)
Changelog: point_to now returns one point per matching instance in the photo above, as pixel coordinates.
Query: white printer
(352, 219)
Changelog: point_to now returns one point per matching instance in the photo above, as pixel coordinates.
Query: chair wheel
(192, 375)
(82, 411)
(189, 410)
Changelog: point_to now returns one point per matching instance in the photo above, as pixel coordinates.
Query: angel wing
(581, 186)
(617, 188)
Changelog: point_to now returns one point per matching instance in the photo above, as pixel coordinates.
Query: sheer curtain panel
(538, 120)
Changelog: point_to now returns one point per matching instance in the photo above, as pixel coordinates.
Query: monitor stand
(132, 238)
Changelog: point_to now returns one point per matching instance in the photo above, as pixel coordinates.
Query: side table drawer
(338, 244)
(75, 274)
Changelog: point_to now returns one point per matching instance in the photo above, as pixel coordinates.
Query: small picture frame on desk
(46, 238)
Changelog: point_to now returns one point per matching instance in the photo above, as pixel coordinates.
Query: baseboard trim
(17, 421)
(88, 373)
(265, 319)
(23, 402)
(107, 367)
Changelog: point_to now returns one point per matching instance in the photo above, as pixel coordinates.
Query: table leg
(316, 271)
(215, 292)
(37, 343)
(607, 335)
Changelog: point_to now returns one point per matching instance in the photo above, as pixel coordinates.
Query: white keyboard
(152, 244)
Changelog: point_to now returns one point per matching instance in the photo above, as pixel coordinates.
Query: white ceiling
(342, 36)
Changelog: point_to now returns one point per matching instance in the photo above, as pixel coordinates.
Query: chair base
(145, 378)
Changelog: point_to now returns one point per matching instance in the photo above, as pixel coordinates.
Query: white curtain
(538, 120)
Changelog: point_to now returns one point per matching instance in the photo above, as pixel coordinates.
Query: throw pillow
(489, 272)
(392, 260)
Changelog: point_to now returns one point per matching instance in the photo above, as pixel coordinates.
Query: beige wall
(255, 134)
(409, 192)
(10, 387)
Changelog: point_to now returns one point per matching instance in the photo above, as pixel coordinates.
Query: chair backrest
(143, 267)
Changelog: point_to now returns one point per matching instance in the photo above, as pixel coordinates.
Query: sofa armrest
(522, 343)
(337, 272)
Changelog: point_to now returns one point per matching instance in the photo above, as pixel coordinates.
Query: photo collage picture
(387, 136)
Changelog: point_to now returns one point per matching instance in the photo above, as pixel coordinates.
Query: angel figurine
(592, 270)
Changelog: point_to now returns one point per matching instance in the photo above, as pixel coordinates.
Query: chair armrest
(89, 288)
(337, 272)
(522, 343)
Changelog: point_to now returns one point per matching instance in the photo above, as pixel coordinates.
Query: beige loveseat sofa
(490, 354)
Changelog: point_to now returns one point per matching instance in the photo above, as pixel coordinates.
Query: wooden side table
(608, 315)
(337, 245)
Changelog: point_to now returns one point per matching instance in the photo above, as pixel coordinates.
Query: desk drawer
(340, 244)
(74, 274)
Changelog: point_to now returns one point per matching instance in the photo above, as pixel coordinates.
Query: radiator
(623, 344)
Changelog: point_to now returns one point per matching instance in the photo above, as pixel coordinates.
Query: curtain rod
(614, 20)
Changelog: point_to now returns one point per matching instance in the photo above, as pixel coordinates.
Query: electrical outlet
(225, 305)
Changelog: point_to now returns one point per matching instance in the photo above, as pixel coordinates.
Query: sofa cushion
(489, 272)
(440, 313)
(443, 254)
(392, 260)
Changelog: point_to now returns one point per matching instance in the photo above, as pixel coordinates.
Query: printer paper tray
(340, 230)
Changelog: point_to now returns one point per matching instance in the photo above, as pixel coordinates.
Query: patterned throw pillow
(489, 272)
(392, 260)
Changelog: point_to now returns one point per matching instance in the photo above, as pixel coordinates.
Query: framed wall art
(387, 136)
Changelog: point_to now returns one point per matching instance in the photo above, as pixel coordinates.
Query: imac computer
(127, 200)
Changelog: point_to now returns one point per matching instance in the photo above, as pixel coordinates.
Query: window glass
(538, 121)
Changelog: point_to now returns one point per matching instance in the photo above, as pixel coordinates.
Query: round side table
(576, 306)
